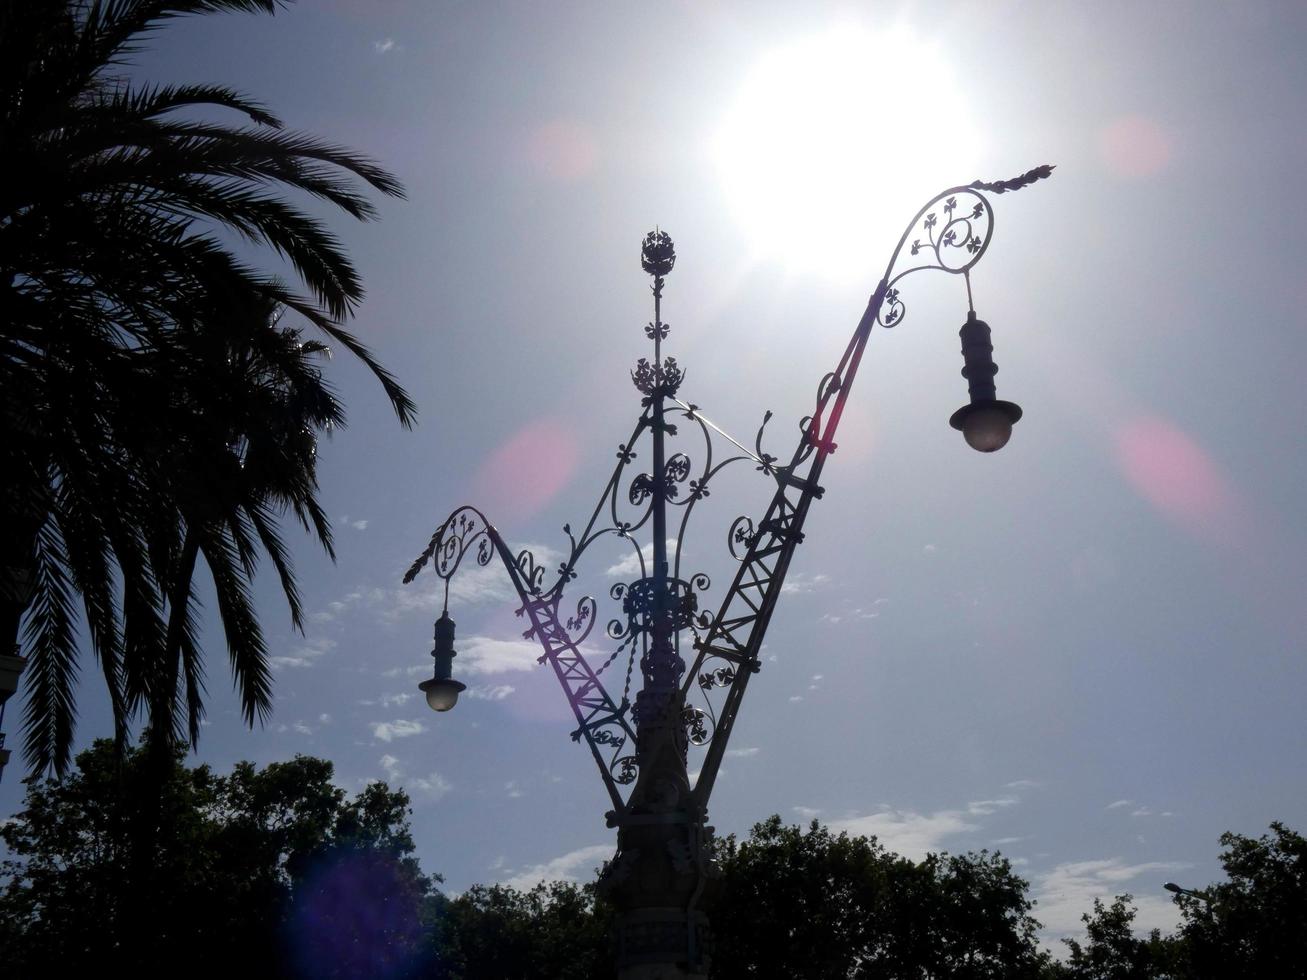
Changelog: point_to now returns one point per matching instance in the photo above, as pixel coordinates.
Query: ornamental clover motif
(650, 378)
(657, 253)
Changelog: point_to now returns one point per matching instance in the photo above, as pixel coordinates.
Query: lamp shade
(442, 692)
(986, 425)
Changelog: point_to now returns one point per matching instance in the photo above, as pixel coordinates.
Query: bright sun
(833, 142)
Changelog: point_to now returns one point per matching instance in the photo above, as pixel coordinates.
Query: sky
(1084, 651)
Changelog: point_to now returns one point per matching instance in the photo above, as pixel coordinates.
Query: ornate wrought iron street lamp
(661, 876)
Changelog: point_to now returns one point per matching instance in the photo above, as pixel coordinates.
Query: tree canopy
(278, 872)
(261, 872)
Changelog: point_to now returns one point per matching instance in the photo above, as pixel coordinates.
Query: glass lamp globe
(986, 425)
(442, 692)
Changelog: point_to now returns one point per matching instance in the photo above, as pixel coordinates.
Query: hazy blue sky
(1085, 650)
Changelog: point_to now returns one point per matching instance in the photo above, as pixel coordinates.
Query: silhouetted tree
(819, 905)
(1255, 923)
(1112, 951)
(267, 872)
(496, 933)
(116, 213)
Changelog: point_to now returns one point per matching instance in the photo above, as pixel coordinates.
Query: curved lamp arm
(953, 232)
(601, 722)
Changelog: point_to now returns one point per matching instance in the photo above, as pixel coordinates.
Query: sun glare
(834, 140)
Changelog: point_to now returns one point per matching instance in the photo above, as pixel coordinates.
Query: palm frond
(246, 649)
(51, 639)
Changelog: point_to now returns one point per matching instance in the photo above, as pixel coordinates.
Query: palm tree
(263, 407)
(113, 391)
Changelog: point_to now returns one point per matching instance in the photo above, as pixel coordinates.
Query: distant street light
(661, 877)
(1171, 886)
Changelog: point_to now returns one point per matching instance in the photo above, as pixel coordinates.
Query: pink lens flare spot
(1135, 146)
(521, 477)
(1171, 471)
(562, 149)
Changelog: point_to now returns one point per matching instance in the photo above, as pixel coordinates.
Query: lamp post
(661, 877)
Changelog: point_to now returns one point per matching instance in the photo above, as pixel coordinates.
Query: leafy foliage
(554, 930)
(1112, 951)
(274, 872)
(1255, 923)
(815, 904)
(155, 414)
(246, 872)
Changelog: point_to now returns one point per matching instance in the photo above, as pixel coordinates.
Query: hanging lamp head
(986, 423)
(441, 689)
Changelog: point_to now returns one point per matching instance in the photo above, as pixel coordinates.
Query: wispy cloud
(806, 812)
(905, 832)
(983, 808)
(480, 655)
(391, 700)
(629, 567)
(304, 655)
(795, 584)
(431, 786)
(1067, 892)
(1118, 804)
(742, 753)
(387, 731)
(573, 866)
(384, 46)
(1021, 784)
(495, 692)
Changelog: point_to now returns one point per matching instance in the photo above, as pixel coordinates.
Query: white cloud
(359, 525)
(393, 700)
(495, 693)
(796, 584)
(983, 808)
(1143, 811)
(485, 655)
(511, 788)
(905, 832)
(1119, 803)
(930, 549)
(412, 670)
(1021, 784)
(575, 866)
(389, 730)
(305, 654)
(629, 566)
(742, 753)
(795, 697)
(806, 812)
(384, 46)
(998, 841)
(1068, 891)
(432, 786)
